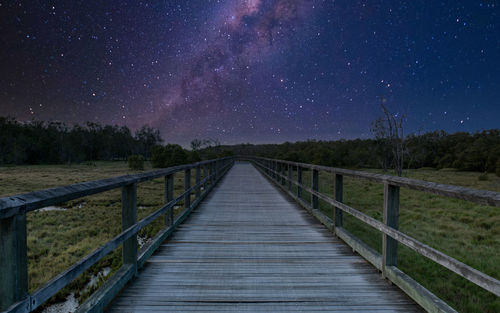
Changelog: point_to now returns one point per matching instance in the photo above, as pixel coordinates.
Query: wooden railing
(281, 171)
(14, 295)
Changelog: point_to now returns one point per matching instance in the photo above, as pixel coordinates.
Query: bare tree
(389, 130)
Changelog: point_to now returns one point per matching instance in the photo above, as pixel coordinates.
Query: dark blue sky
(252, 70)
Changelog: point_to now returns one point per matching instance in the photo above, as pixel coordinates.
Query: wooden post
(315, 182)
(187, 185)
(205, 175)
(212, 173)
(283, 175)
(13, 260)
(391, 217)
(299, 181)
(198, 174)
(339, 190)
(289, 177)
(169, 196)
(129, 218)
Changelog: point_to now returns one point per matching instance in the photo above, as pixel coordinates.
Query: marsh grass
(58, 239)
(466, 231)
(463, 230)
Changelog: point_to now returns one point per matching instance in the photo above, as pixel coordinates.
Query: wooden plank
(417, 292)
(104, 295)
(248, 247)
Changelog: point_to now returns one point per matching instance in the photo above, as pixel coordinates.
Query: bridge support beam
(129, 218)
(391, 217)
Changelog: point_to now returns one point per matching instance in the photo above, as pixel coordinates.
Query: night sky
(252, 70)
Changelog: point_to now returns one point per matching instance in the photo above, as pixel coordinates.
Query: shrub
(136, 162)
(483, 177)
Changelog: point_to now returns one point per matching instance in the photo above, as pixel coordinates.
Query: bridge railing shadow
(14, 296)
(289, 177)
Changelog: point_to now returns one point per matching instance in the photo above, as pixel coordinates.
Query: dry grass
(58, 239)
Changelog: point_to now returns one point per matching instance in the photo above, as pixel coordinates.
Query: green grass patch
(463, 230)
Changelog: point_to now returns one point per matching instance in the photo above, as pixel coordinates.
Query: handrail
(19, 204)
(14, 295)
(485, 197)
(276, 170)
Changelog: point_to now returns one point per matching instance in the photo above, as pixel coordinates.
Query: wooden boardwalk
(248, 248)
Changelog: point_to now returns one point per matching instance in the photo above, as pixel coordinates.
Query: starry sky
(255, 71)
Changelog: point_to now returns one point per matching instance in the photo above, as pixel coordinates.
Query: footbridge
(251, 238)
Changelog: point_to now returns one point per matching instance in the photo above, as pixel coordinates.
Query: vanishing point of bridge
(241, 245)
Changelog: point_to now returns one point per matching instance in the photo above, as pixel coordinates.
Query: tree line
(479, 151)
(39, 142)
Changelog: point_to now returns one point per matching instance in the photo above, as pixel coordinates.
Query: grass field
(59, 238)
(463, 230)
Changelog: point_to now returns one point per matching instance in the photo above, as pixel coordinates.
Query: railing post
(13, 260)
(339, 190)
(198, 189)
(299, 182)
(212, 171)
(187, 185)
(283, 171)
(315, 182)
(205, 175)
(169, 196)
(289, 177)
(129, 218)
(391, 216)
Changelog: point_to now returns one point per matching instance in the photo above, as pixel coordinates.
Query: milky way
(252, 70)
(215, 77)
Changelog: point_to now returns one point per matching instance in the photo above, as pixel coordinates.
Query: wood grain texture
(247, 248)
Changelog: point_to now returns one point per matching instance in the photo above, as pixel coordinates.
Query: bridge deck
(247, 248)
